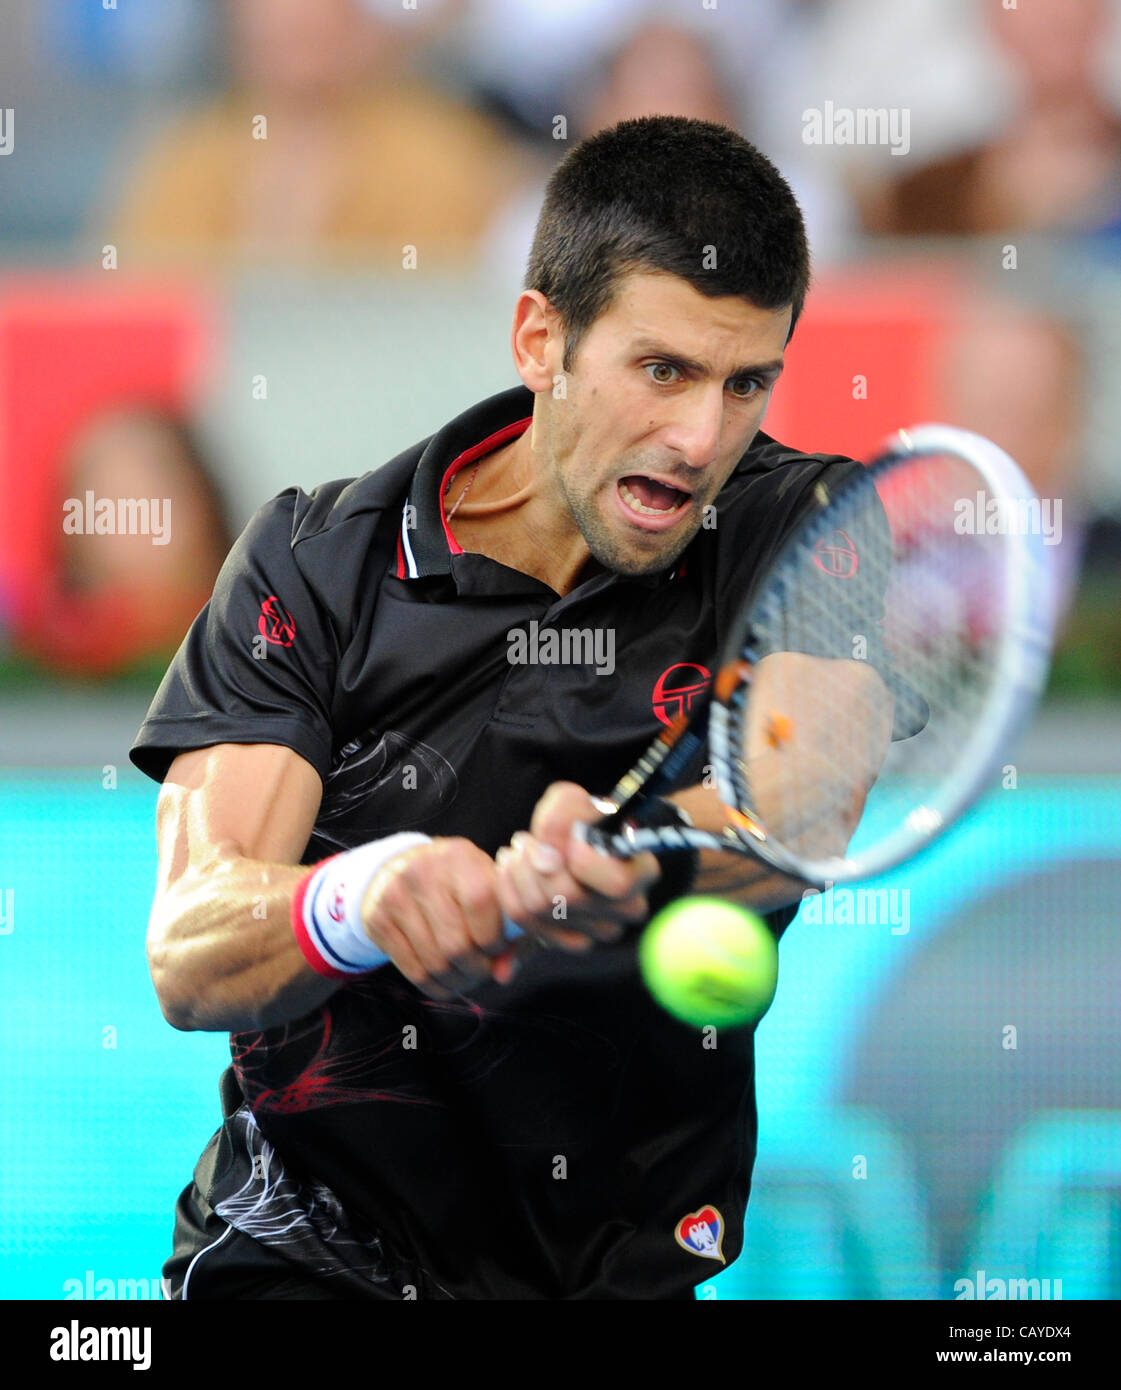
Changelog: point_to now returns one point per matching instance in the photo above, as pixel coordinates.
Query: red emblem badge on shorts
(701, 1233)
(276, 624)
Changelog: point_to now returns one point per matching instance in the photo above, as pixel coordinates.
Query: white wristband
(327, 909)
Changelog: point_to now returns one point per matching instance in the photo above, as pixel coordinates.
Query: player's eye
(664, 373)
(745, 387)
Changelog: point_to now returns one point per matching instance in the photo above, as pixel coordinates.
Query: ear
(537, 341)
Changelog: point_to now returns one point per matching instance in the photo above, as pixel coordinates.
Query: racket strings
(874, 678)
(874, 651)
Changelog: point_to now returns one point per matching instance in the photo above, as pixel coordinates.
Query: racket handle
(609, 836)
(508, 960)
(596, 836)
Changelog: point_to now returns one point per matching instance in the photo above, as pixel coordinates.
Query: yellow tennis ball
(710, 962)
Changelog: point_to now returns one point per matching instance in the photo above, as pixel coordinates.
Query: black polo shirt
(556, 1137)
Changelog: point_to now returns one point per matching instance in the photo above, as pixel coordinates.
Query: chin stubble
(609, 551)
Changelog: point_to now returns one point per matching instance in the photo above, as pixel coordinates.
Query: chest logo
(701, 1233)
(676, 689)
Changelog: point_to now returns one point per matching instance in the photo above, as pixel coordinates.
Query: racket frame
(1020, 669)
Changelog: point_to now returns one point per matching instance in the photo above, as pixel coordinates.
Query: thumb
(561, 807)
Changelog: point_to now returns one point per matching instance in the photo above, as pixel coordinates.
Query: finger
(553, 816)
(607, 875)
(396, 942)
(602, 918)
(586, 914)
(507, 955)
(543, 929)
(520, 862)
(509, 898)
(546, 859)
(554, 890)
(464, 875)
(525, 903)
(454, 887)
(421, 919)
(467, 916)
(565, 804)
(461, 913)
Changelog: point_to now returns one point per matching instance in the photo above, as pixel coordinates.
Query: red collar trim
(488, 445)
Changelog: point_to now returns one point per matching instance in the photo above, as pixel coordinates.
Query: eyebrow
(649, 348)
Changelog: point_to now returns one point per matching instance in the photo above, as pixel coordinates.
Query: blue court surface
(939, 1077)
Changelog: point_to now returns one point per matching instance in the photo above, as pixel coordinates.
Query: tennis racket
(876, 676)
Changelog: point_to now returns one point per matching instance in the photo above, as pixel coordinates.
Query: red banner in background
(864, 359)
(73, 347)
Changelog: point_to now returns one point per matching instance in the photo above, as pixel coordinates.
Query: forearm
(222, 952)
(742, 879)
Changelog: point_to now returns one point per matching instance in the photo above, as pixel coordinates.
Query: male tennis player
(379, 733)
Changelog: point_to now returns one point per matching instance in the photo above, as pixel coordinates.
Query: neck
(508, 510)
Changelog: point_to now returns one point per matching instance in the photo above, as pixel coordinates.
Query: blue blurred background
(196, 305)
(887, 1043)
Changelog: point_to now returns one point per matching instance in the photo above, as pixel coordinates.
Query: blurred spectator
(1055, 162)
(528, 56)
(659, 69)
(1018, 377)
(654, 67)
(358, 160)
(119, 594)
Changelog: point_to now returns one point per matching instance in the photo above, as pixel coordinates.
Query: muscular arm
(232, 822)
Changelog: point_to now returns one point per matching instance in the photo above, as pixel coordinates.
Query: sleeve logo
(276, 624)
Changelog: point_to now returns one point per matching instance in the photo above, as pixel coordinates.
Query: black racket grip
(601, 835)
(608, 836)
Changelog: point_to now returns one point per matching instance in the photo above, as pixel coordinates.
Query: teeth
(636, 506)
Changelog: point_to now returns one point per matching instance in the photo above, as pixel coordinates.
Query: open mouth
(651, 498)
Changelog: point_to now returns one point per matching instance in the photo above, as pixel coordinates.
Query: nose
(696, 424)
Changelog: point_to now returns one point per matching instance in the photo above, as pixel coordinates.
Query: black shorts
(246, 1228)
(213, 1260)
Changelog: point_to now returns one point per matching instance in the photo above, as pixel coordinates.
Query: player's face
(667, 391)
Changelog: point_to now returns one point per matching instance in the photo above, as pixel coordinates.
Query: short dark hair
(653, 194)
